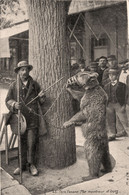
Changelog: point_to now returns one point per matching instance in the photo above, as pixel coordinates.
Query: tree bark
(48, 53)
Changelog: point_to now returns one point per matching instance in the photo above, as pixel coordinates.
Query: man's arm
(40, 93)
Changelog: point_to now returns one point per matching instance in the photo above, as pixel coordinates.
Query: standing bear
(92, 116)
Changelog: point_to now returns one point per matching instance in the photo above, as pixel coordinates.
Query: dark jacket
(105, 77)
(120, 92)
(27, 93)
(100, 72)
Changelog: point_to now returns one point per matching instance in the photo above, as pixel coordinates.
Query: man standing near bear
(28, 89)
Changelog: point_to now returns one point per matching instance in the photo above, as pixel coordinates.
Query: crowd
(114, 79)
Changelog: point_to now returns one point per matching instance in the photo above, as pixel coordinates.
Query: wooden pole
(110, 38)
(74, 26)
(6, 145)
(89, 27)
(19, 127)
(78, 41)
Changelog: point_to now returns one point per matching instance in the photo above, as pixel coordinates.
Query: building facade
(104, 32)
(94, 30)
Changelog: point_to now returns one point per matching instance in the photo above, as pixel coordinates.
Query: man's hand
(41, 94)
(67, 124)
(123, 108)
(17, 106)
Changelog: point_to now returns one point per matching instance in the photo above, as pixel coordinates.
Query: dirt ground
(49, 179)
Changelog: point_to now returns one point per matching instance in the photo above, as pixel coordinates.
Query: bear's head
(84, 79)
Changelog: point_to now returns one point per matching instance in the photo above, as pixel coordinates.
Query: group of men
(114, 78)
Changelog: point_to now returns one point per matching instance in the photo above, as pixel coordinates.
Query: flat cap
(103, 57)
(113, 71)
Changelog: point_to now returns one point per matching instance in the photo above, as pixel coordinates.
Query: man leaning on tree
(28, 90)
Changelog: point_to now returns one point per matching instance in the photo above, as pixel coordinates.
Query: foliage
(12, 12)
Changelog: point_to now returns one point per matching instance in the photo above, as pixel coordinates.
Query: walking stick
(19, 127)
(44, 91)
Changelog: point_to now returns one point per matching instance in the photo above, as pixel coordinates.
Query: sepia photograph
(64, 97)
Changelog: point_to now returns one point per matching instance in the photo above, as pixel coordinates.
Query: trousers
(28, 147)
(114, 110)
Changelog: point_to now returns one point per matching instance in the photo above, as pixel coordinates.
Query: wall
(113, 22)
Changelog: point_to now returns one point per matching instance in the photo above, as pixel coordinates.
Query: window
(99, 47)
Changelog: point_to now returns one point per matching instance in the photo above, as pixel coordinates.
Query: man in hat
(28, 89)
(116, 92)
(82, 66)
(112, 63)
(102, 66)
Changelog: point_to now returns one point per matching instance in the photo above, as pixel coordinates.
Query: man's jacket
(33, 110)
(120, 92)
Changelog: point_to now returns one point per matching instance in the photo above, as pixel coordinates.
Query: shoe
(17, 170)
(111, 138)
(122, 134)
(33, 170)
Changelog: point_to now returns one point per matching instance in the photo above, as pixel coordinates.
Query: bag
(7, 118)
(13, 121)
(42, 122)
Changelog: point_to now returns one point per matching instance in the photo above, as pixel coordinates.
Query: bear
(92, 116)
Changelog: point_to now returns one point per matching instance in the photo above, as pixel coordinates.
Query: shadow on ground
(49, 179)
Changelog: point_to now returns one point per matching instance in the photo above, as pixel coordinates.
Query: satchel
(13, 122)
(42, 122)
(7, 118)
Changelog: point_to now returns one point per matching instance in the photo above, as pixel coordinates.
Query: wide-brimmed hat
(13, 121)
(114, 71)
(23, 64)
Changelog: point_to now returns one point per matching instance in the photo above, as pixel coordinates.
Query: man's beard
(24, 77)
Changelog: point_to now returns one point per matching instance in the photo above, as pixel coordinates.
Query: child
(116, 105)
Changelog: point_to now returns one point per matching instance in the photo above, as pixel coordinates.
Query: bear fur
(92, 116)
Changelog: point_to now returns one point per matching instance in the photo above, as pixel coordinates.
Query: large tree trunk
(48, 53)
